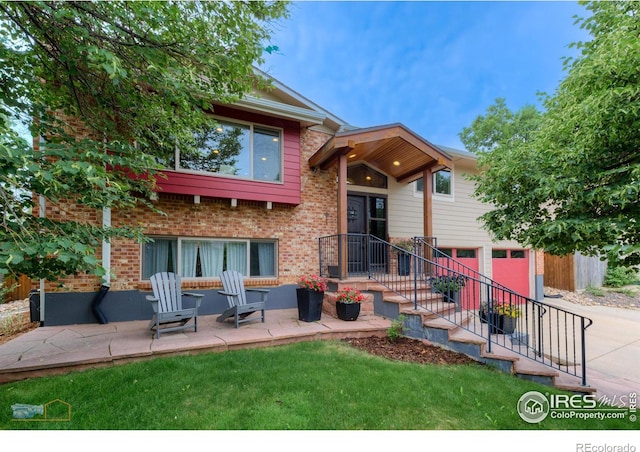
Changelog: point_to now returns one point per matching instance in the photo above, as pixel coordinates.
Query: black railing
(435, 282)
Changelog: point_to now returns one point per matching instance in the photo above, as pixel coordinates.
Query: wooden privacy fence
(573, 272)
(21, 289)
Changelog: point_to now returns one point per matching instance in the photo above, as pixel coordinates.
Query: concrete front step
(438, 322)
(444, 331)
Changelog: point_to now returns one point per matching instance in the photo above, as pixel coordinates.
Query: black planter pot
(483, 316)
(404, 264)
(347, 311)
(451, 296)
(501, 324)
(309, 304)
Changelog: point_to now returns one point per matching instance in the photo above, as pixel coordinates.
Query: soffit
(393, 149)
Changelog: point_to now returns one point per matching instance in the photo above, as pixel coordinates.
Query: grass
(11, 324)
(628, 292)
(303, 386)
(595, 291)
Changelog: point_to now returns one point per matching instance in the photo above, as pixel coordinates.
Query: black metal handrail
(427, 277)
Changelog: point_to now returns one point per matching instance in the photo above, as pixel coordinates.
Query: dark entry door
(366, 214)
(357, 224)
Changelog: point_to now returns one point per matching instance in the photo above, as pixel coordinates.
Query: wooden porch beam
(394, 131)
(323, 154)
(427, 185)
(342, 216)
(325, 157)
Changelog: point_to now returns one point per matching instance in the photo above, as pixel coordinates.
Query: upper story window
(236, 149)
(441, 183)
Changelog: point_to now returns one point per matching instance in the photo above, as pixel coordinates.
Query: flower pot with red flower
(310, 293)
(348, 303)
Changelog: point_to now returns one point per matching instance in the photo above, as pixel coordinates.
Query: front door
(357, 224)
(366, 214)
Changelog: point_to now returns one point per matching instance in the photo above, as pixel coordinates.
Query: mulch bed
(407, 349)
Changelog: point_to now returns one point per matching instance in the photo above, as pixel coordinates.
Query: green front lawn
(305, 386)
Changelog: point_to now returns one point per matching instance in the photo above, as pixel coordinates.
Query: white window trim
(216, 239)
(251, 125)
(437, 196)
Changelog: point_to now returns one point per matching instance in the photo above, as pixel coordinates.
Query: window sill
(188, 283)
(221, 175)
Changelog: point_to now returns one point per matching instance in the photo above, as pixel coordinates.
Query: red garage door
(511, 268)
(469, 258)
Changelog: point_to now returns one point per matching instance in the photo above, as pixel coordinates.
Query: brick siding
(296, 228)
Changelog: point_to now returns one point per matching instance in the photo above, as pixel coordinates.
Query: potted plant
(310, 293)
(483, 312)
(449, 286)
(508, 314)
(348, 303)
(404, 256)
(502, 317)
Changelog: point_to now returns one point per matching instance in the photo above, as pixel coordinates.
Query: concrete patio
(58, 349)
(613, 342)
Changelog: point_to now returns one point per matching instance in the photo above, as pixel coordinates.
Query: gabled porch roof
(393, 149)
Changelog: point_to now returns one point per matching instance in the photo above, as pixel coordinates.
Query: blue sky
(433, 66)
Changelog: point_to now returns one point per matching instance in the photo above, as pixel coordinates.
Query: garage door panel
(468, 258)
(511, 269)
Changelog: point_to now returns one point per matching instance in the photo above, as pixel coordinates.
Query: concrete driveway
(613, 346)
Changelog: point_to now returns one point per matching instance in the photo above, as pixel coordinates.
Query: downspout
(106, 264)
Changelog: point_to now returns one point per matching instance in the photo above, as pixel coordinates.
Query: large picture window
(206, 258)
(236, 149)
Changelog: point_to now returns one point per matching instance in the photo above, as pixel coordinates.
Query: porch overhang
(393, 149)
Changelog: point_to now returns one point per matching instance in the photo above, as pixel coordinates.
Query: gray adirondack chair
(167, 304)
(239, 309)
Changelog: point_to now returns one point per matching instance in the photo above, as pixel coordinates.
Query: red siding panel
(210, 185)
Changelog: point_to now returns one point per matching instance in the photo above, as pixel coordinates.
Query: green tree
(500, 128)
(141, 77)
(574, 183)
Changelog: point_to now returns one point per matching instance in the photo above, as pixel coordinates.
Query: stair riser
(417, 326)
(542, 379)
(499, 364)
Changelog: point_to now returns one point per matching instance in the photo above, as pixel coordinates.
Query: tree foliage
(575, 184)
(501, 128)
(141, 78)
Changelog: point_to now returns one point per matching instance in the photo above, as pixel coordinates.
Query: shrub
(620, 276)
(396, 328)
(4, 291)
